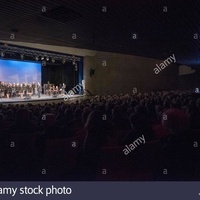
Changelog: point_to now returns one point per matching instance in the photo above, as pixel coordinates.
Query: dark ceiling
(108, 25)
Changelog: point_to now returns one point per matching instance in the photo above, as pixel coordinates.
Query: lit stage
(43, 99)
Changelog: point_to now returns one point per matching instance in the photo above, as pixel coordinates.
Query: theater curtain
(60, 73)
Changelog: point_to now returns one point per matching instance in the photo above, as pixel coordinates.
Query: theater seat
(60, 157)
(160, 131)
(195, 132)
(139, 165)
(20, 157)
(114, 165)
(121, 136)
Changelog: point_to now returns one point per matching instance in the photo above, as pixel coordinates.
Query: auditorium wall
(189, 78)
(118, 73)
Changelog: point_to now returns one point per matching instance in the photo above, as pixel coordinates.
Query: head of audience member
(95, 121)
(158, 110)
(47, 109)
(133, 103)
(166, 104)
(10, 115)
(141, 109)
(92, 106)
(68, 115)
(117, 112)
(85, 114)
(176, 104)
(77, 114)
(109, 106)
(124, 109)
(175, 121)
(96, 132)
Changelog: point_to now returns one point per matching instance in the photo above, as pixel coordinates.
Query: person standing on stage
(56, 89)
(9, 91)
(24, 90)
(63, 88)
(33, 88)
(17, 89)
(49, 88)
(5, 88)
(21, 89)
(13, 90)
(1, 90)
(39, 89)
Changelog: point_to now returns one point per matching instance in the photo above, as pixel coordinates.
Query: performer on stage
(33, 88)
(39, 89)
(13, 90)
(57, 89)
(49, 88)
(5, 89)
(9, 90)
(1, 90)
(18, 89)
(63, 88)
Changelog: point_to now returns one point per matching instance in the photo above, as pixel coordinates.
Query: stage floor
(42, 99)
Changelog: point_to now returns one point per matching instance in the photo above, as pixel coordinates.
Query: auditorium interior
(99, 90)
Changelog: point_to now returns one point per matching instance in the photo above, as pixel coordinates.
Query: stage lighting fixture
(36, 58)
(2, 54)
(76, 67)
(22, 56)
(52, 60)
(36, 55)
(63, 60)
(73, 60)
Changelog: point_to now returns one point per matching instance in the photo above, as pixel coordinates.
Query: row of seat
(21, 159)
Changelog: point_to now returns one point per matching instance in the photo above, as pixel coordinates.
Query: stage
(43, 99)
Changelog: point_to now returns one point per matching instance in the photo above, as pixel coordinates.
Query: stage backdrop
(57, 73)
(14, 71)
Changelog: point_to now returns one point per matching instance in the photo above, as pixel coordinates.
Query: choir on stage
(11, 90)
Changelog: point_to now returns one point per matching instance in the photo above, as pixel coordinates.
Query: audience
(102, 117)
(96, 135)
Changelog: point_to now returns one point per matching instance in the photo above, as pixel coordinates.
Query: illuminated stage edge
(43, 99)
